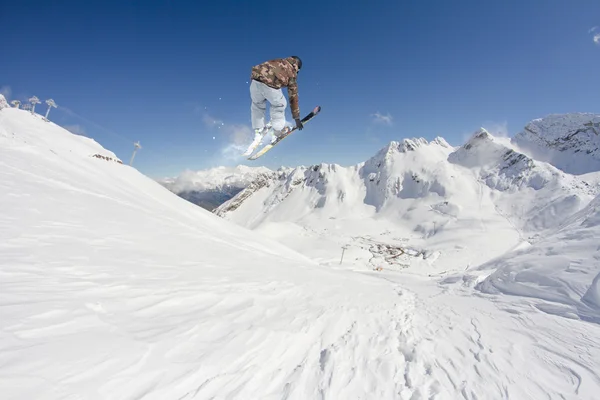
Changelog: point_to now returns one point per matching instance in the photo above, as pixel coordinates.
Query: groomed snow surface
(112, 287)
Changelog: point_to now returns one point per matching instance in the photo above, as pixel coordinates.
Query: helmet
(299, 62)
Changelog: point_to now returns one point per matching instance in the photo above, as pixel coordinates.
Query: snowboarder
(267, 79)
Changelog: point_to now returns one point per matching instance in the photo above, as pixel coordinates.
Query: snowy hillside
(534, 195)
(563, 269)
(36, 139)
(212, 187)
(335, 190)
(570, 142)
(112, 287)
(418, 196)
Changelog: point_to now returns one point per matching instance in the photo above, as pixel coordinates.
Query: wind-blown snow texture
(114, 287)
(563, 268)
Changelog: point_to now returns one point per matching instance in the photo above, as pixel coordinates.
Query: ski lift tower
(33, 101)
(51, 104)
(136, 146)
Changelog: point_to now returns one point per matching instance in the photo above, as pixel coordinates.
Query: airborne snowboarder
(267, 79)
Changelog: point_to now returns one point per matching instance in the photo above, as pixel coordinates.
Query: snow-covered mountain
(212, 187)
(111, 286)
(337, 191)
(570, 142)
(534, 195)
(422, 193)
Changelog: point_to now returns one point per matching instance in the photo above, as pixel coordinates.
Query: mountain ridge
(212, 187)
(424, 191)
(570, 142)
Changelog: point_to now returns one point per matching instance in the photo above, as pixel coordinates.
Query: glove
(299, 125)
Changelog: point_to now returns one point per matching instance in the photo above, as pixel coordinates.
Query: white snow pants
(260, 94)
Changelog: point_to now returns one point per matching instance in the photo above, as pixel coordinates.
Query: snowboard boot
(278, 134)
(258, 136)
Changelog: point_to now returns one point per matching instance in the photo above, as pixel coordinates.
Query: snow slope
(419, 196)
(570, 142)
(114, 287)
(532, 194)
(562, 269)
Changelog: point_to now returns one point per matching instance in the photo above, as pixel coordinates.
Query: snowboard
(269, 146)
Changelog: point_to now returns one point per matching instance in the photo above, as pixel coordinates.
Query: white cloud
(596, 31)
(382, 119)
(6, 92)
(76, 129)
(498, 129)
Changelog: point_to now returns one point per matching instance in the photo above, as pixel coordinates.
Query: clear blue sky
(161, 71)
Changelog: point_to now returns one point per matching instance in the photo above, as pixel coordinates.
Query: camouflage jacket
(278, 73)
